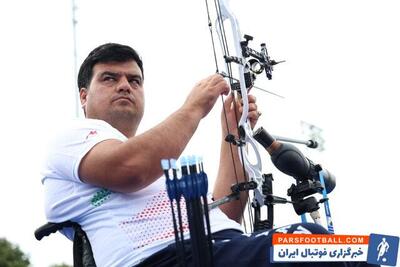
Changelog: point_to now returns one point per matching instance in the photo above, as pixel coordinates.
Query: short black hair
(109, 52)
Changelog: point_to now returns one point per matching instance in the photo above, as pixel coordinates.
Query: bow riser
(253, 170)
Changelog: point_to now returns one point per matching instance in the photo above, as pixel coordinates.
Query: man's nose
(123, 85)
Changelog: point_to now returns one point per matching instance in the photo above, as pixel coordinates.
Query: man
(102, 175)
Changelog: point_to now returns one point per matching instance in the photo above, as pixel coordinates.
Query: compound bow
(250, 63)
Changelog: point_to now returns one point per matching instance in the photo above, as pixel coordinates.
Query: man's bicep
(98, 165)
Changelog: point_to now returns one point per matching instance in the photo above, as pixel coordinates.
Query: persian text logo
(318, 247)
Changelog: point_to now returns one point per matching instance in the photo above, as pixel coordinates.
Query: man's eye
(135, 81)
(108, 78)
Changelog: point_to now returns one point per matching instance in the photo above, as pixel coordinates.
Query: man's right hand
(205, 93)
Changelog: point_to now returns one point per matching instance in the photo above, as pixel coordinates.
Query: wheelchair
(82, 250)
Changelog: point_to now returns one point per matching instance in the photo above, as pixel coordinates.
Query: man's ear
(83, 96)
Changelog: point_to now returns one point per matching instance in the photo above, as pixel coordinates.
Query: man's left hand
(253, 113)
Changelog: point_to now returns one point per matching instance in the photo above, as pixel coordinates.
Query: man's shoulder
(70, 143)
(84, 123)
(84, 129)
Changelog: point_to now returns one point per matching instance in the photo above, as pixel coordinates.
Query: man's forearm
(166, 140)
(230, 172)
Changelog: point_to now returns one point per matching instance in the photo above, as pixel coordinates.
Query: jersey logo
(91, 133)
(100, 197)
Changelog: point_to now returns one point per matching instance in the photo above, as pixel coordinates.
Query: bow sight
(255, 65)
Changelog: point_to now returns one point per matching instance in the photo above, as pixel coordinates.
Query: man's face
(115, 93)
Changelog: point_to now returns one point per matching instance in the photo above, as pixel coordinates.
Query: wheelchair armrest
(82, 250)
(49, 228)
